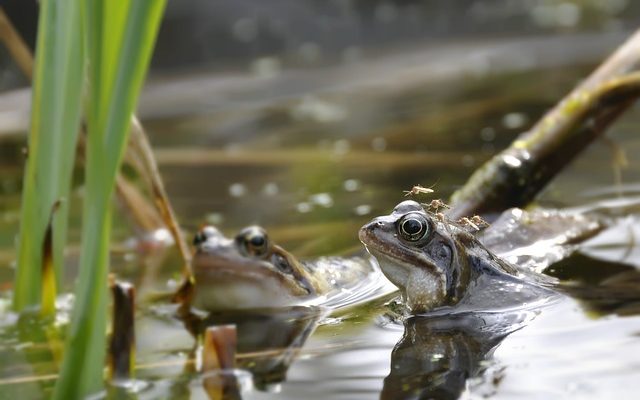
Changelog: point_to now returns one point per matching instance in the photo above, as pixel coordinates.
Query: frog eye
(253, 241)
(413, 227)
(203, 234)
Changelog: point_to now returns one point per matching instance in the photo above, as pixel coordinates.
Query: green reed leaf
(55, 116)
(120, 37)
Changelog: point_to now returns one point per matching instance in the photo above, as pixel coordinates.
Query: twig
(516, 175)
(16, 46)
(141, 149)
(147, 218)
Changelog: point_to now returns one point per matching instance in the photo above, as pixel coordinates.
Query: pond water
(313, 155)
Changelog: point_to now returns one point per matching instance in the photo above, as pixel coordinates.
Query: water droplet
(304, 207)
(270, 189)
(314, 109)
(379, 144)
(310, 52)
(266, 67)
(237, 190)
(468, 160)
(514, 120)
(511, 161)
(322, 199)
(341, 147)
(351, 54)
(488, 134)
(245, 30)
(214, 218)
(351, 185)
(386, 12)
(363, 209)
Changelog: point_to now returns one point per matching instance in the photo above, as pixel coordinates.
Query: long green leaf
(120, 38)
(55, 119)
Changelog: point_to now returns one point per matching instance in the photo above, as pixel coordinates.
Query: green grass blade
(116, 74)
(55, 119)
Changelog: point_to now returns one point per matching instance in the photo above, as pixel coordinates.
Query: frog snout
(368, 231)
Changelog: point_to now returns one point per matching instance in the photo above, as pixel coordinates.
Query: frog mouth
(215, 271)
(421, 283)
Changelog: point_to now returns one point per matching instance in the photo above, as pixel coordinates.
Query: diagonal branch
(516, 175)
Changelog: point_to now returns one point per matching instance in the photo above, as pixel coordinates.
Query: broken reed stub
(122, 342)
(218, 362)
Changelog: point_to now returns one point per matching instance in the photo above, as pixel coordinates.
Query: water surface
(312, 159)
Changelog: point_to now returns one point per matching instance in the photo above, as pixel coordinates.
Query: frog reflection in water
(436, 356)
(438, 265)
(250, 271)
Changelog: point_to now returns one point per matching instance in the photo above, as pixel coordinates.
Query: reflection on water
(313, 170)
(436, 356)
(268, 340)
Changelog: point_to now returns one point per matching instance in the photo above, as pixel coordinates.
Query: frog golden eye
(413, 227)
(253, 241)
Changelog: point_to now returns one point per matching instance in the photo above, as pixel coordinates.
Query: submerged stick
(516, 175)
(121, 356)
(218, 362)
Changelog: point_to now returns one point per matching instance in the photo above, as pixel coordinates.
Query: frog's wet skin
(437, 264)
(250, 271)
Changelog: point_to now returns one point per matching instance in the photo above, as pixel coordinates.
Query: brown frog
(438, 264)
(250, 271)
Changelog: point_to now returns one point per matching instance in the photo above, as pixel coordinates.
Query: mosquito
(417, 189)
(476, 222)
(436, 205)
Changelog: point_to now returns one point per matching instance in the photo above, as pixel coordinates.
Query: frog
(250, 271)
(440, 266)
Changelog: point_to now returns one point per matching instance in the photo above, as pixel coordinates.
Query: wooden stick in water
(121, 354)
(218, 362)
(516, 175)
